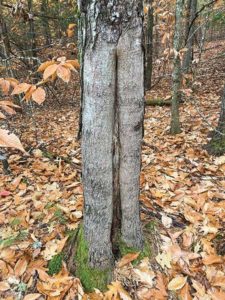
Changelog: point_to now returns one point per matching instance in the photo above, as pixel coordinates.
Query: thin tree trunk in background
(149, 46)
(45, 22)
(187, 18)
(216, 146)
(6, 48)
(31, 33)
(177, 71)
(188, 57)
(113, 106)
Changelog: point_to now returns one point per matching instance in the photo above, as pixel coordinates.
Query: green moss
(147, 249)
(216, 146)
(55, 264)
(90, 277)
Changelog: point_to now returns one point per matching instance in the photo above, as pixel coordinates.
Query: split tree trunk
(188, 57)
(217, 144)
(177, 72)
(149, 46)
(113, 108)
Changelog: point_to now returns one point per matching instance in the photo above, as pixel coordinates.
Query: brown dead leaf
(32, 296)
(20, 267)
(4, 286)
(127, 259)
(177, 283)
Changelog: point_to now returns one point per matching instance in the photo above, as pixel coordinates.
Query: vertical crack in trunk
(116, 225)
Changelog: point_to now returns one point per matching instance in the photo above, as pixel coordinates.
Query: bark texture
(188, 57)
(113, 107)
(149, 46)
(177, 72)
(216, 145)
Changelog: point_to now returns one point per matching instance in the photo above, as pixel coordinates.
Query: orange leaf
(20, 267)
(212, 259)
(4, 286)
(44, 65)
(71, 26)
(217, 295)
(21, 88)
(185, 293)
(5, 86)
(2, 116)
(74, 63)
(29, 92)
(39, 95)
(10, 140)
(177, 283)
(63, 73)
(50, 71)
(32, 296)
(127, 259)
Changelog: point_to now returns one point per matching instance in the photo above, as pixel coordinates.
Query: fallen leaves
(10, 140)
(127, 259)
(177, 283)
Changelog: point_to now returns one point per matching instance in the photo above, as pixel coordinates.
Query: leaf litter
(182, 196)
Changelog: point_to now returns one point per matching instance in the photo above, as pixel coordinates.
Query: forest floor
(182, 197)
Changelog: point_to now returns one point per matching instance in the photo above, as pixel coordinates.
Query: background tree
(177, 72)
(149, 45)
(216, 145)
(190, 35)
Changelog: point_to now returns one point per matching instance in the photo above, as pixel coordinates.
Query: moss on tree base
(90, 277)
(216, 146)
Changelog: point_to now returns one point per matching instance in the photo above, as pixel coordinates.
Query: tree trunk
(4, 35)
(113, 108)
(45, 23)
(31, 33)
(149, 46)
(217, 144)
(188, 57)
(177, 72)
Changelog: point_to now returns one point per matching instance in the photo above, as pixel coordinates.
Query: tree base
(90, 278)
(216, 146)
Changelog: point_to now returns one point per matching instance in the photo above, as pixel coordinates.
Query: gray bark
(177, 72)
(113, 106)
(31, 33)
(6, 47)
(188, 57)
(149, 46)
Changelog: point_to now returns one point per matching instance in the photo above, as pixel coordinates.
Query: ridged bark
(149, 46)
(177, 72)
(113, 106)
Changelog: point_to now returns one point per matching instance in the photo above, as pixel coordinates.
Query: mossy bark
(216, 146)
(90, 278)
